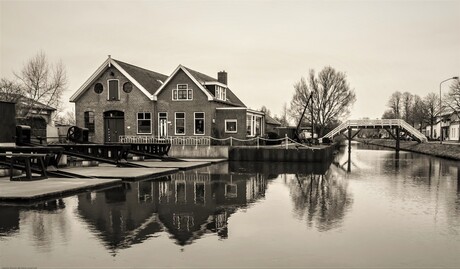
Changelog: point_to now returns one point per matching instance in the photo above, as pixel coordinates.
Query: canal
(375, 209)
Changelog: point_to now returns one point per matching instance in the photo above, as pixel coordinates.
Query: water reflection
(321, 199)
(48, 223)
(187, 205)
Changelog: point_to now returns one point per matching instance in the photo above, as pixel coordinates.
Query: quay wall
(448, 150)
(323, 154)
(183, 151)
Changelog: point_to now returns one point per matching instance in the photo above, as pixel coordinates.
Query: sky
(264, 46)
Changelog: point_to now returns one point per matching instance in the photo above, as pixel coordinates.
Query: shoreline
(446, 151)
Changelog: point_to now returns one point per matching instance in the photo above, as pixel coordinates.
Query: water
(377, 210)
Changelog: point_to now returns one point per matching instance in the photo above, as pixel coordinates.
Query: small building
(120, 99)
(271, 124)
(448, 123)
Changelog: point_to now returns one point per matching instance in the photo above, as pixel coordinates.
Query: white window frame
(159, 131)
(108, 89)
(175, 123)
(175, 93)
(221, 93)
(252, 124)
(236, 126)
(194, 123)
(137, 122)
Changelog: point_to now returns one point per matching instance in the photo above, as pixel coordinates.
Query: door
(114, 125)
(163, 124)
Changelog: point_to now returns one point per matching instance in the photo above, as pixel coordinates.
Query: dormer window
(221, 93)
(182, 92)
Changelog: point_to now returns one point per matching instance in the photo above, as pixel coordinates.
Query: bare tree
(42, 82)
(453, 96)
(431, 103)
(407, 104)
(10, 91)
(420, 113)
(332, 98)
(265, 110)
(395, 104)
(67, 118)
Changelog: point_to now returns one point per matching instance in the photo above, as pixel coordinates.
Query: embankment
(445, 150)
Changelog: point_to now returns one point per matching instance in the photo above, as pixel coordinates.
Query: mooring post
(397, 138)
(286, 140)
(231, 141)
(349, 139)
(257, 142)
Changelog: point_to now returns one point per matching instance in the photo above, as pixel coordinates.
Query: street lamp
(440, 105)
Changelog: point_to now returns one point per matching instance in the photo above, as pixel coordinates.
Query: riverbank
(448, 151)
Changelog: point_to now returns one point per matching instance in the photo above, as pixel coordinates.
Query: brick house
(123, 99)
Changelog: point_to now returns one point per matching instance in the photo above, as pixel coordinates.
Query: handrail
(377, 123)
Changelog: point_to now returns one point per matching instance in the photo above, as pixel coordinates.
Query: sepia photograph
(229, 134)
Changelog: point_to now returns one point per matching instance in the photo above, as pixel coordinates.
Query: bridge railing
(376, 123)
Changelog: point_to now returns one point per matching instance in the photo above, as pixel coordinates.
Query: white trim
(256, 112)
(108, 89)
(186, 93)
(175, 123)
(180, 67)
(232, 108)
(90, 80)
(108, 63)
(236, 126)
(137, 123)
(159, 128)
(194, 123)
(215, 83)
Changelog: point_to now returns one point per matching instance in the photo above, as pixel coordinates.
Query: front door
(163, 124)
(114, 125)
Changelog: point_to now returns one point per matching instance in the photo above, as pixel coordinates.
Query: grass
(449, 151)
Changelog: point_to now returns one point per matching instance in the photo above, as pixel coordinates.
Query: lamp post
(440, 106)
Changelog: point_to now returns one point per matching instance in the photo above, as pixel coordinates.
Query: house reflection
(187, 205)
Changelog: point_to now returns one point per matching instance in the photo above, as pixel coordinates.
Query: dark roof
(23, 100)
(148, 79)
(202, 78)
(270, 120)
(232, 99)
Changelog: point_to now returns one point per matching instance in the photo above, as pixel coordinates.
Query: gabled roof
(145, 80)
(149, 79)
(201, 80)
(23, 100)
(270, 120)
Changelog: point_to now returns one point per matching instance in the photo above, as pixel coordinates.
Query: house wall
(230, 114)
(214, 121)
(130, 103)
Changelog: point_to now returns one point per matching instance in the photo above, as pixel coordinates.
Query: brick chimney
(222, 77)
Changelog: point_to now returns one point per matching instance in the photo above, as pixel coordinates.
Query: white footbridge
(388, 124)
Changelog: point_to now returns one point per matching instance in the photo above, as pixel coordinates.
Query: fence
(211, 141)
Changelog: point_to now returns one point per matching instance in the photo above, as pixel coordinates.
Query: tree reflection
(321, 199)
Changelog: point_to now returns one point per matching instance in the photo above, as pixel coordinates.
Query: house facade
(121, 99)
(448, 124)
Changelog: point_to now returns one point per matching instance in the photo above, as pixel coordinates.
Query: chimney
(222, 77)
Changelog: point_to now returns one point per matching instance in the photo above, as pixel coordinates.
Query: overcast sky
(265, 46)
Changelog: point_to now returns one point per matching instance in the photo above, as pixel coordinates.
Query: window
(254, 125)
(89, 120)
(200, 193)
(180, 123)
(221, 93)
(144, 123)
(98, 88)
(181, 194)
(128, 87)
(230, 126)
(199, 123)
(231, 191)
(113, 89)
(182, 92)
